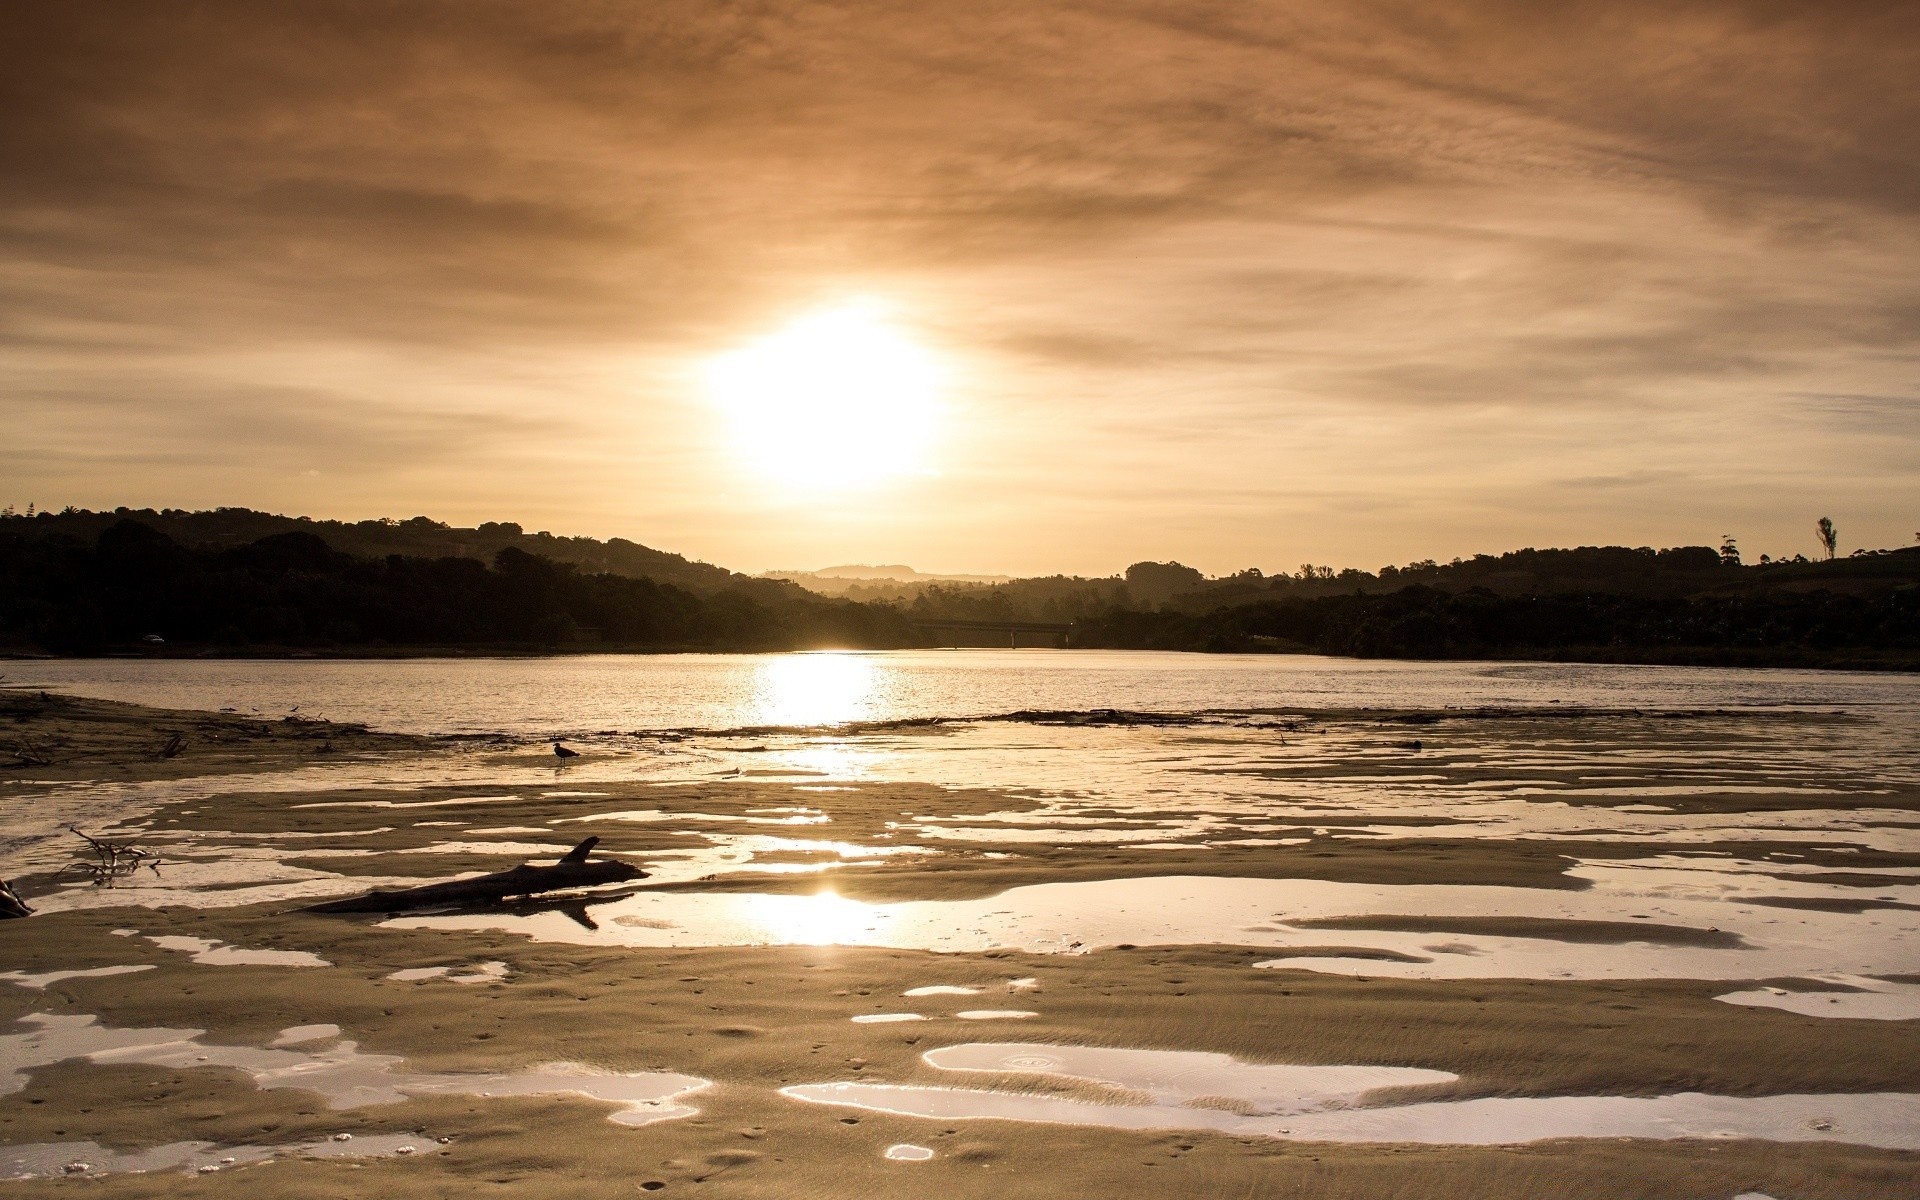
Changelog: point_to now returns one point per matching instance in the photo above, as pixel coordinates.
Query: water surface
(707, 691)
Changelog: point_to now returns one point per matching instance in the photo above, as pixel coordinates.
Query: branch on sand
(111, 860)
(573, 871)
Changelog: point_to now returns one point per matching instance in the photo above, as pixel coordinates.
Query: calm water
(712, 692)
(1772, 827)
(1715, 815)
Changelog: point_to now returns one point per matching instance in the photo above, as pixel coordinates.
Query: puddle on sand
(885, 1018)
(40, 981)
(486, 972)
(1190, 1090)
(300, 1035)
(1178, 1076)
(454, 802)
(212, 953)
(996, 1014)
(341, 1073)
(941, 989)
(69, 1160)
(1868, 1000)
(908, 1152)
(1508, 936)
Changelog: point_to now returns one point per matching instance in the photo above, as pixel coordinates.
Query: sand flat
(1567, 979)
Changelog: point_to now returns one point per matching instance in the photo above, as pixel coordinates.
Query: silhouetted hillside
(67, 590)
(417, 537)
(1611, 570)
(292, 590)
(1757, 628)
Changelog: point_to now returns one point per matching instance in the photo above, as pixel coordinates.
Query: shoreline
(1852, 661)
(751, 1020)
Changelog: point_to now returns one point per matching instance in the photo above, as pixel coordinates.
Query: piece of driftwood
(573, 871)
(111, 860)
(575, 906)
(11, 905)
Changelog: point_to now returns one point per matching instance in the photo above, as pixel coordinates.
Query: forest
(133, 584)
(1769, 628)
(132, 588)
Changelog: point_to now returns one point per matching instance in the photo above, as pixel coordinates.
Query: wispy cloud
(1340, 279)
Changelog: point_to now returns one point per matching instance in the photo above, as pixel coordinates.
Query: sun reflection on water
(823, 919)
(822, 688)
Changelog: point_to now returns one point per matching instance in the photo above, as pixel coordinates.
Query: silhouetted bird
(560, 751)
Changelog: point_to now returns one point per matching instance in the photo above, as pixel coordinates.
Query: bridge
(1013, 629)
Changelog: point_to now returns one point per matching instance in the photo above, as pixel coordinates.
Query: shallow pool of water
(1708, 901)
(1188, 1090)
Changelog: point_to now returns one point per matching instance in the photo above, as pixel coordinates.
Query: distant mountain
(838, 581)
(416, 537)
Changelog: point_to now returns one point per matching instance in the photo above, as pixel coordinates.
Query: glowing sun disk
(837, 400)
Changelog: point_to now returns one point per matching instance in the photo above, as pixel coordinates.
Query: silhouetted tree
(1153, 582)
(1829, 536)
(1729, 551)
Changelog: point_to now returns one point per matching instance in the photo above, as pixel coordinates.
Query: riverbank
(793, 921)
(1868, 659)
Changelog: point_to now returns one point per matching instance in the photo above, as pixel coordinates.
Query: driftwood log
(573, 871)
(11, 905)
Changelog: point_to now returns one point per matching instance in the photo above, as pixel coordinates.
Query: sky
(1238, 283)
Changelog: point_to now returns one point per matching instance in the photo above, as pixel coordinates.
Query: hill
(79, 582)
(1676, 573)
(894, 582)
(134, 589)
(416, 537)
(1759, 627)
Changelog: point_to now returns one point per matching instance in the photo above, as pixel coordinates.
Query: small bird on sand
(560, 751)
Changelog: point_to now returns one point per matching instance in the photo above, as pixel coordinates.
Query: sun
(839, 400)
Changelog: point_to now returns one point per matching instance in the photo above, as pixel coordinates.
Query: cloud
(1197, 234)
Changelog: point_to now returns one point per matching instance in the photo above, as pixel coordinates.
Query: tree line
(1784, 628)
(133, 584)
(134, 588)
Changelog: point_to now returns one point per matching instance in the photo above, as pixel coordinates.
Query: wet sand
(246, 837)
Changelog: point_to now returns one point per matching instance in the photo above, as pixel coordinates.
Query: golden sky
(1236, 283)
